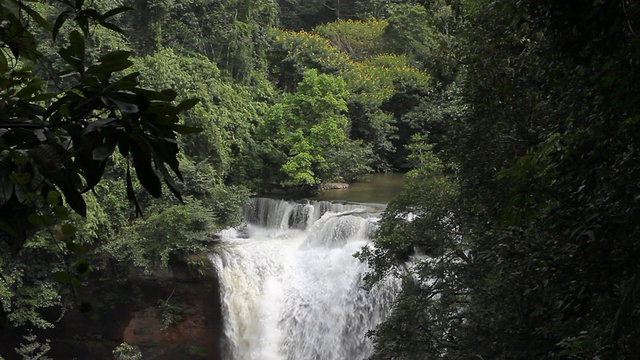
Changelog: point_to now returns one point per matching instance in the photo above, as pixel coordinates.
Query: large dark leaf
(141, 154)
(111, 62)
(113, 27)
(184, 130)
(116, 11)
(99, 124)
(164, 95)
(6, 186)
(4, 64)
(73, 197)
(36, 17)
(124, 106)
(128, 82)
(104, 151)
(3, 317)
(168, 179)
(187, 104)
(131, 195)
(58, 23)
(76, 46)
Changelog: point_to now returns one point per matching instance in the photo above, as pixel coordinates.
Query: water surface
(381, 189)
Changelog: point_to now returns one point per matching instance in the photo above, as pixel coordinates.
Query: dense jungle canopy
(516, 122)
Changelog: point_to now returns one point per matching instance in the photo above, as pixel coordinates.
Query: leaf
(169, 180)
(21, 179)
(15, 49)
(111, 62)
(8, 229)
(53, 197)
(12, 6)
(3, 316)
(75, 248)
(72, 60)
(103, 152)
(116, 11)
(172, 187)
(123, 106)
(187, 104)
(127, 83)
(164, 95)
(82, 267)
(69, 230)
(131, 195)
(76, 45)
(73, 197)
(146, 175)
(168, 94)
(83, 23)
(6, 189)
(98, 124)
(36, 17)
(39, 220)
(91, 14)
(61, 277)
(4, 64)
(61, 212)
(183, 129)
(113, 27)
(58, 23)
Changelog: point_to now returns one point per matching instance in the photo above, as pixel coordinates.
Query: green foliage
(537, 257)
(171, 312)
(310, 129)
(174, 229)
(230, 33)
(227, 112)
(426, 33)
(55, 146)
(125, 351)
(384, 89)
(178, 230)
(421, 217)
(299, 14)
(33, 350)
(24, 293)
(62, 146)
(419, 238)
(358, 39)
(291, 54)
(198, 351)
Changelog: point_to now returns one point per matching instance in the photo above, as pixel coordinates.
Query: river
(380, 189)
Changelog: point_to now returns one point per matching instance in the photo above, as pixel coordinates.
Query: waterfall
(290, 286)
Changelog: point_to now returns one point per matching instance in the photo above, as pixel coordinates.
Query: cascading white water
(291, 288)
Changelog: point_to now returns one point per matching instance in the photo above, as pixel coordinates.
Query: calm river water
(381, 189)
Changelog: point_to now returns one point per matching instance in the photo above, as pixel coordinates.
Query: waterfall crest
(290, 286)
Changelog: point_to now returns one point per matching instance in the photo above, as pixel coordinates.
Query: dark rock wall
(129, 311)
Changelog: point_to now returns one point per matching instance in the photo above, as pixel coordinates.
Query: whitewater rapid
(290, 286)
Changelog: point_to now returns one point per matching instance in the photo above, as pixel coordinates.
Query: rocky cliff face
(171, 314)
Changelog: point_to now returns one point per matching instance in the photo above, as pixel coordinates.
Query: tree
(543, 155)
(55, 143)
(231, 33)
(309, 127)
(358, 39)
(297, 15)
(293, 53)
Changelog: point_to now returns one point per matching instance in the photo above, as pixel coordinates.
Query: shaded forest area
(516, 122)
